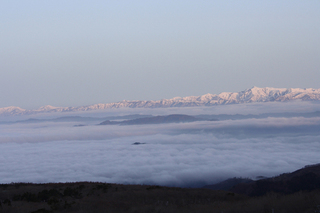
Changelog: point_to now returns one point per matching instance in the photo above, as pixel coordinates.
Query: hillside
(305, 179)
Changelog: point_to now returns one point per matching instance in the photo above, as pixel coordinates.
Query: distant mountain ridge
(254, 94)
(173, 118)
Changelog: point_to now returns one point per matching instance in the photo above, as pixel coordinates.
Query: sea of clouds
(177, 154)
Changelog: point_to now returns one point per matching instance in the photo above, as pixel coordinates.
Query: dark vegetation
(102, 197)
(305, 179)
(228, 184)
(297, 192)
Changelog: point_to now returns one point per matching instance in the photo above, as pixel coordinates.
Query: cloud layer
(185, 154)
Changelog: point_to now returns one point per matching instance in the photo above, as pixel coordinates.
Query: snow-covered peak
(254, 94)
(47, 107)
(11, 108)
(207, 97)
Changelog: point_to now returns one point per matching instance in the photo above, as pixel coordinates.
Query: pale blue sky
(72, 53)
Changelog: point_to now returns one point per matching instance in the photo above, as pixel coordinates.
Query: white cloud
(179, 160)
(188, 154)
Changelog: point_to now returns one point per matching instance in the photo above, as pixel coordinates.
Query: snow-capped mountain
(254, 94)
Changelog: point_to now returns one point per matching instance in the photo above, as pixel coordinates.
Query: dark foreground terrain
(100, 197)
(293, 192)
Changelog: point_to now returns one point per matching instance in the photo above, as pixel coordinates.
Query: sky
(175, 154)
(74, 53)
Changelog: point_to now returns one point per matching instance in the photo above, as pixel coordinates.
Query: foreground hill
(102, 197)
(228, 184)
(254, 94)
(305, 179)
(85, 197)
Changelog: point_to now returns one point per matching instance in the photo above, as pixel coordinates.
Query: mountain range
(254, 94)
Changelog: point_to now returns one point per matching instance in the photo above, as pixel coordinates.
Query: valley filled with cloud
(40, 149)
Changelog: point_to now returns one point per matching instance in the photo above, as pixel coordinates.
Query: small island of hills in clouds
(212, 152)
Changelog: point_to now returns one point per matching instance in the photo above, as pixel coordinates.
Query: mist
(176, 154)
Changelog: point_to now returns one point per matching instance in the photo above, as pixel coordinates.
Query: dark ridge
(127, 117)
(108, 122)
(228, 184)
(77, 119)
(305, 179)
(174, 118)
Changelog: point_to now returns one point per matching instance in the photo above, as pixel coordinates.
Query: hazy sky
(72, 53)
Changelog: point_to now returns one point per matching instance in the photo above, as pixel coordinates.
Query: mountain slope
(305, 179)
(254, 94)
